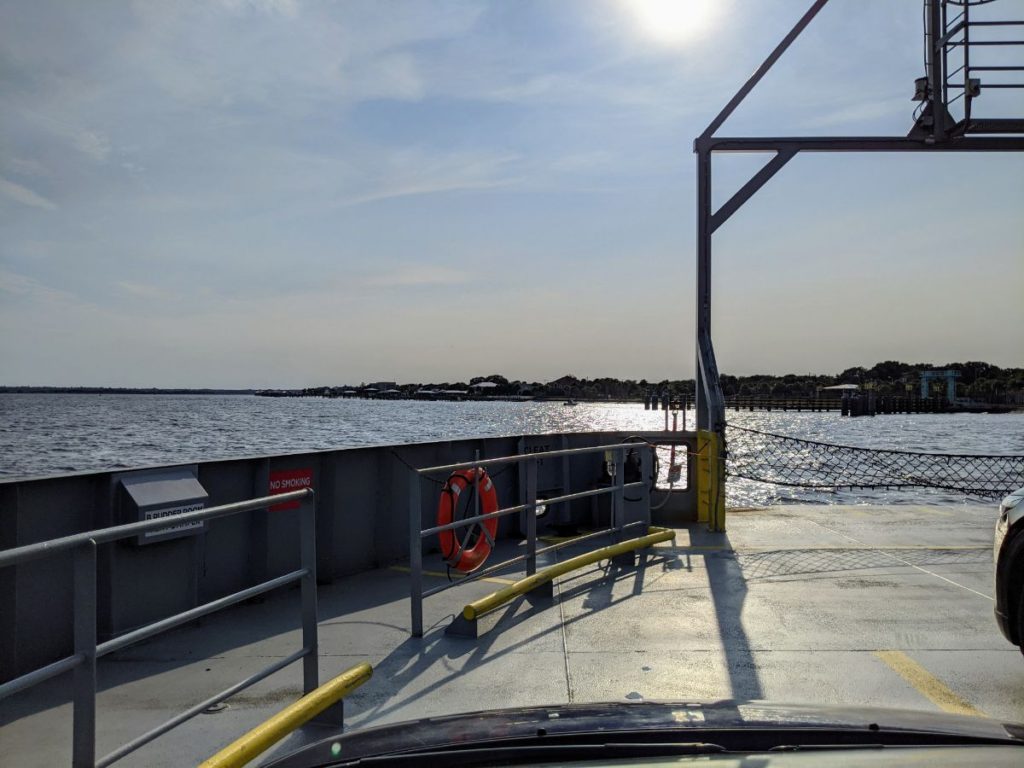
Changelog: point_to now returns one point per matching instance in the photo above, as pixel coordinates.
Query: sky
(288, 193)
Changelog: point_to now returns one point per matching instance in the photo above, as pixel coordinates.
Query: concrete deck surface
(885, 606)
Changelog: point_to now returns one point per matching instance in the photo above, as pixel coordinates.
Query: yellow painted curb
(479, 607)
(264, 736)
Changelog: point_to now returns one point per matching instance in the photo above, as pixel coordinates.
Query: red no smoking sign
(285, 480)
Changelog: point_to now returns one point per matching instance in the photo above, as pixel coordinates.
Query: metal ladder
(966, 49)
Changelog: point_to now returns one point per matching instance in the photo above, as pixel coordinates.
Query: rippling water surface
(52, 434)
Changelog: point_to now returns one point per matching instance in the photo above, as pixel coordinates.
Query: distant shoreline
(277, 393)
(120, 391)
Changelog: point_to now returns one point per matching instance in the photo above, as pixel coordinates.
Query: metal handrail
(87, 650)
(523, 456)
(520, 508)
(128, 530)
(417, 533)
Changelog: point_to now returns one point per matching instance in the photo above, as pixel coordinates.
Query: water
(53, 434)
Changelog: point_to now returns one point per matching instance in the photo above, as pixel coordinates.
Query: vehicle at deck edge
(1008, 552)
(651, 732)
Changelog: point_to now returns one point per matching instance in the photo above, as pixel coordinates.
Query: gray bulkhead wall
(362, 523)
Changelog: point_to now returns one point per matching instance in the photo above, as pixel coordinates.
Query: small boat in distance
(570, 401)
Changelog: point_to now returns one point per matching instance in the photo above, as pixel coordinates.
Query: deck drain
(213, 709)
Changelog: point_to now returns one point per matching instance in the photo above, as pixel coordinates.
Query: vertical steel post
(936, 79)
(476, 486)
(619, 497)
(531, 516)
(703, 278)
(415, 556)
(83, 752)
(310, 641)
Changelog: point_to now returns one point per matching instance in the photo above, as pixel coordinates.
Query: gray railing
(87, 650)
(417, 534)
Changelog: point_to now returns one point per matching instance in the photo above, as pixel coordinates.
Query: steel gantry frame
(933, 132)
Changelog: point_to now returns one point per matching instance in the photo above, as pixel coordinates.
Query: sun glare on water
(675, 22)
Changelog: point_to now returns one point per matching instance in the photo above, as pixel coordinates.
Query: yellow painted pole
(710, 480)
(264, 736)
(703, 476)
(479, 607)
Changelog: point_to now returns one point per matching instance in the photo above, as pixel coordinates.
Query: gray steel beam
(708, 368)
(766, 65)
(701, 402)
(748, 190)
(859, 144)
(995, 125)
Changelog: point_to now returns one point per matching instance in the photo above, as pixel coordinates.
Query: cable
(409, 466)
(656, 471)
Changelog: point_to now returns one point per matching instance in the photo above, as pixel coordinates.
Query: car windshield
(370, 361)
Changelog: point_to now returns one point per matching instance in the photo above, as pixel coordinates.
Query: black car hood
(690, 721)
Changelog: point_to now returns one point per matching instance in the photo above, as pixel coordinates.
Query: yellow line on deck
(492, 579)
(831, 548)
(927, 684)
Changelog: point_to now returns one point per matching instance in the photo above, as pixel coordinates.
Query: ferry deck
(852, 605)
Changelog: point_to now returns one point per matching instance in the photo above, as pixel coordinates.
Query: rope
(767, 457)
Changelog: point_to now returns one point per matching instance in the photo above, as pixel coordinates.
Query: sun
(675, 22)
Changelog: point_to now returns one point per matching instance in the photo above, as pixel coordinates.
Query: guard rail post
(415, 555)
(543, 592)
(531, 517)
(310, 640)
(83, 738)
(626, 559)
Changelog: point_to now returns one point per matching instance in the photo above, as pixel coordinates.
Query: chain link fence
(766, 457)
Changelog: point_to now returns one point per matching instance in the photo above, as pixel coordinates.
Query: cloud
(142, 290)
(419, 275)
(869, 111)
(93, 144)
(598, 160)
(24, 286)
(417, 173)
(287, 8)
(24, 195)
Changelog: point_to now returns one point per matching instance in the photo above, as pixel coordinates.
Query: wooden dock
(862, 404)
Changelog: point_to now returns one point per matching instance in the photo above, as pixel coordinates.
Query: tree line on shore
(977, 380)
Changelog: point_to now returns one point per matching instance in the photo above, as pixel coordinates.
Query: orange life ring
(455, 552)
